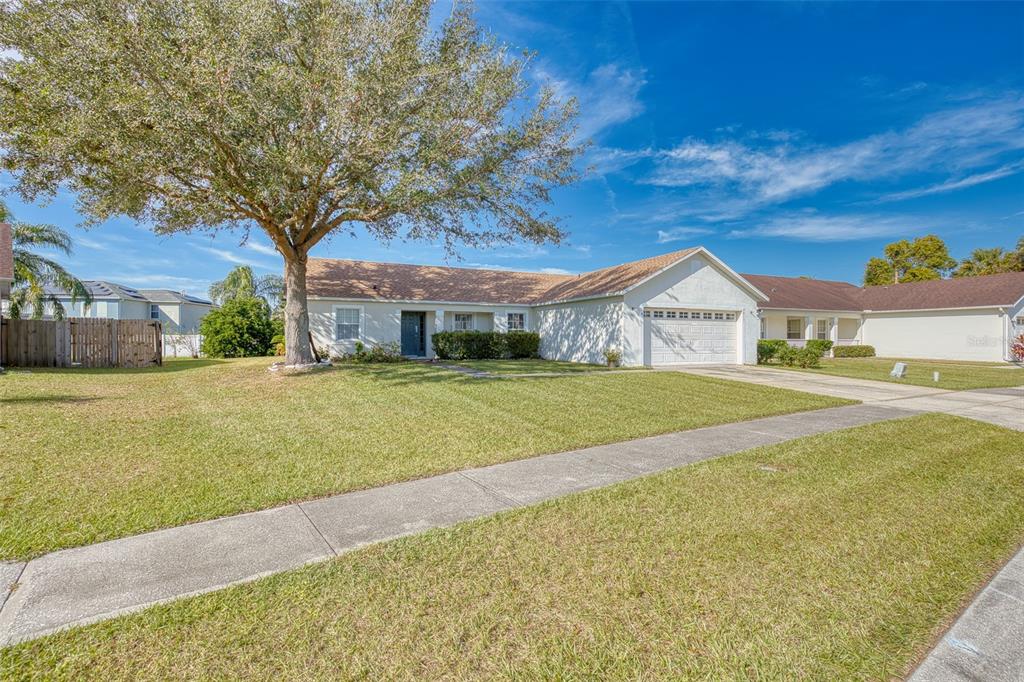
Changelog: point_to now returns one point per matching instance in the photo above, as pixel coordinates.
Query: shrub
(1017, 348)
(808, 357)
(853, 352)
(823, 346)
(384, 352)
(769, 349)
(786, 355)
(475, 345)
(613, 356)
(520, 344)
(241, 328)
(277, 344)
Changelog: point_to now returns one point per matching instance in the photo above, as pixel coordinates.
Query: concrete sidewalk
(987, 641)
(88, 584)
(1000, 406)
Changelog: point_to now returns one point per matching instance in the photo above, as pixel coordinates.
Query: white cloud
(261, 248)
(759, 170)
(232, 257)
(554, 271)
(610, 95)
(163, 281)
(953, 185)
(677, 234)
(812, 227)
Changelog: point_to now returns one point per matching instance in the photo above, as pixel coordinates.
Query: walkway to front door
(414, 333)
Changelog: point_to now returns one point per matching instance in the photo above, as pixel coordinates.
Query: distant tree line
(928, 258)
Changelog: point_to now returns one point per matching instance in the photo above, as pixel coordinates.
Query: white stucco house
(681, 307)
(179, 313)
(969, 318)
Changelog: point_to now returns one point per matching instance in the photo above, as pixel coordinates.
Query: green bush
(520, 344)
(241, 328)
(853, 352)
(769, 349)
(823, 346)
(799, 357)
(277, 344)
(786, 355)
(475, 345)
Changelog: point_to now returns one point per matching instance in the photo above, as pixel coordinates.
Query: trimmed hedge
(823, 346)
(769, 349)
(853, 352)
(474, 345)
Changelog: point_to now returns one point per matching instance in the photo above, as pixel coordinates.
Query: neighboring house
(681, 307)
(967, 318)
(179, 312)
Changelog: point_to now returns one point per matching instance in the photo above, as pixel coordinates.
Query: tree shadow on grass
(29, 399)
(168, 366)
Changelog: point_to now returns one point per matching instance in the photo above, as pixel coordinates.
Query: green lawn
(838, 556)
(954, 376)
(531, 366)
(89, 455)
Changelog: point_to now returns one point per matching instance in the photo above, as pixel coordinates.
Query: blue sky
(792, 139)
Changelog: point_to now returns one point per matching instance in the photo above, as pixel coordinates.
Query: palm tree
(242, 282)
(33, 273)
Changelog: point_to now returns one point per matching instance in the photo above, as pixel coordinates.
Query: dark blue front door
(413, 333)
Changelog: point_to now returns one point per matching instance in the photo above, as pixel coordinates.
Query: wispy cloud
(163, 281)
(953, 185)
(233, 257)
(261, 248)
(813, 227)
(753, 171)
(678, 234)
(609, 95)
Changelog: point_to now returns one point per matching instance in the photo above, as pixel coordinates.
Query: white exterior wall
(693, 283)
(940, 335)
(381, 321)
(580, 331)
(191, 315)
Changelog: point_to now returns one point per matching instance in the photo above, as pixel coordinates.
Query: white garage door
(681, 336)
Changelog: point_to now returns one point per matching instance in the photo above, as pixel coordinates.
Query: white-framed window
(764, 328)
(659, 313)
(463, 322)
(794, 328)
(1019, 321)
(823, 330)
(671, 314)
(154, 311)
(719, 316)
(730, 316)
(708, 316)
(516, 322)
(346, 323)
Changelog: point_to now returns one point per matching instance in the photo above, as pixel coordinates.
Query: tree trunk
(296, 313)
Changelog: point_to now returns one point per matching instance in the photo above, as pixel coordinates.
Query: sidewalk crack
(318, 531)
(491, 491)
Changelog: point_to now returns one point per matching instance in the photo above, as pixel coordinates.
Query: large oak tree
(302, 118)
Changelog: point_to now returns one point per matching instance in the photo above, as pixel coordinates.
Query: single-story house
(681, 307)
(180, 313)
(968, 318)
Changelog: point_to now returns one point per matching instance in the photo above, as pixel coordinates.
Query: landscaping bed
(90, 455)
(840, 556)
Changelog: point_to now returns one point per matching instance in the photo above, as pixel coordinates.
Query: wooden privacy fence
(81, 342)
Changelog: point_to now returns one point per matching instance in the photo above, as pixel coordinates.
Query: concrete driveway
(1001, 406)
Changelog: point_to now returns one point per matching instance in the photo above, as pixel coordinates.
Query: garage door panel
(675, 339)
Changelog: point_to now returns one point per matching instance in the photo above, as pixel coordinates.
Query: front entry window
(516, 322)
(794, 328)
(463, 322)
(823, 330)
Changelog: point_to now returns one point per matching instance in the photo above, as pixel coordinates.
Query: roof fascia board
(417, 301)
(991, 306)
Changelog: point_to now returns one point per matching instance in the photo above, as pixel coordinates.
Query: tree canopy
(242, 282)
(924, 258)
(300, 118)
(992, 261)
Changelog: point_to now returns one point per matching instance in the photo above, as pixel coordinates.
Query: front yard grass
(839, 556)
(90, 455)
(531, 366)
(954, 376)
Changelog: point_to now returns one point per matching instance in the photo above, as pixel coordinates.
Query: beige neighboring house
(178, 312)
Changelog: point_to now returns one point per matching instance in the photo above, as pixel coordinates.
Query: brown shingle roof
(806, 294)
(961, 292)
(6, 253)
(964, 292)
(334, 278)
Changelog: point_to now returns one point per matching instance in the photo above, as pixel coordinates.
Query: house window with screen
(154, 311)
(346, 324)
(463, 322)
(516, 322)
(794, 328)
(823, 330)
(764, 328)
